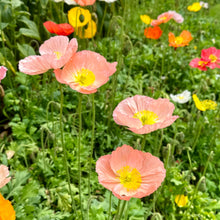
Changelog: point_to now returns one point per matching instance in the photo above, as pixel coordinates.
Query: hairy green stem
(122, 209)
(110, 205)
(143, 142)
(200, 125)
(64, 149)
(160, 143)
(103, 19)
(79, 149)
(118, 209)
(92, 141)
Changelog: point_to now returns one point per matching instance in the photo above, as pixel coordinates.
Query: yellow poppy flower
(204, 105)
(146, 19)
(87, 31)
(181, 200)
(194, 7)
(79, 17)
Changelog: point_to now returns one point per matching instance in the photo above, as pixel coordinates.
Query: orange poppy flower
(7, 211)
(153, 33)
(180, 41)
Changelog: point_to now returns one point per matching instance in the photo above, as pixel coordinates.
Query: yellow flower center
(202, 63)
(58, 54)
(146, 117)
(213, 58)
(84, 77)
(181, 97)
(163, 18)
(129, 177)
(178, 40)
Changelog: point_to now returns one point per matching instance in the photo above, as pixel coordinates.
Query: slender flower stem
(64, 149)
(103, 19)
(143, 142)
(118, 208)
(79, 147)
(198, 133)
(207, 163)
(92, 141)
(122, 209)
(110, 205)
(160, 143)
(157, 193)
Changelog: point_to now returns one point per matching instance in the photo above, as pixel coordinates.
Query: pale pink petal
(162, 107)
(4, 173)
(120, 191)
(34, 65)
(126, 156)
(121, 197)
(151, 165)
(106, 175)
(126, 120)
(85, 2)
(132, 105)
(57, 43)
(3, 71)
(124, 113)
(176, 16)
(151, 170)
(149, 128)
(91, 61)
(60, 48)
(58, 75)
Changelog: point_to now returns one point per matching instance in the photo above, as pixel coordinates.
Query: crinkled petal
(124, 156)
(34, 65)
(4, 173)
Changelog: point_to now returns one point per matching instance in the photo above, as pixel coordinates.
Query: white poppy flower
(108, 1)
(204, 4)
(182, 97)
(70, 2)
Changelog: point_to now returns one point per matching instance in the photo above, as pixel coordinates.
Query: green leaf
(16, 3)
(31, 31)
(26, 50)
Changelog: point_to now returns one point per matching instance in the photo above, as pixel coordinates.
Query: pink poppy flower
(163, 18)
(199, 63)
(142, 114)
(176, 16)
(86, 71)
(4, 173)
(3, 71)
(213, 55)
(55, 53)
(85, 2)
(130, 173)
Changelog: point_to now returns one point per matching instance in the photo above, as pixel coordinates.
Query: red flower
(153, 33)
(213, 56)
(199, 63)
(59, 29)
